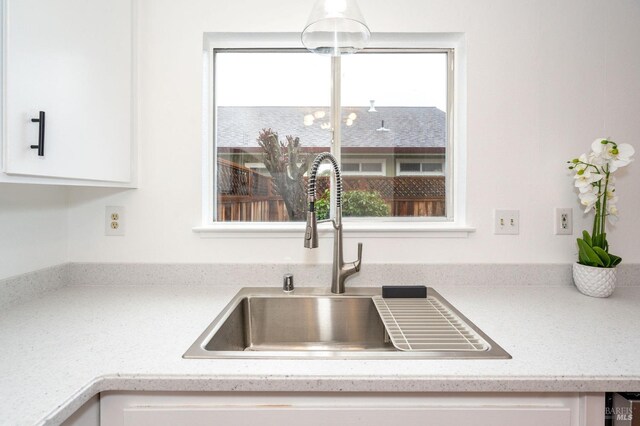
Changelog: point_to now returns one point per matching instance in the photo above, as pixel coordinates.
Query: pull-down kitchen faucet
(340, 270)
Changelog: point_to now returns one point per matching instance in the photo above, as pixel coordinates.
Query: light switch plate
(506, 222)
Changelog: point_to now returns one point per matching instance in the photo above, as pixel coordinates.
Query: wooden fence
(245, 195)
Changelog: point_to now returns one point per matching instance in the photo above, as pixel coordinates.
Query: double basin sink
(313, 323)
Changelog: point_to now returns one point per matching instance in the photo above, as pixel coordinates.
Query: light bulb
(335, 27)
(335, 7)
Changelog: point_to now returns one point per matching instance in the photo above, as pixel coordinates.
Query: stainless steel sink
(313, 323)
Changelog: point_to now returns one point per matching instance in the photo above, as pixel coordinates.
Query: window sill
(351, 229)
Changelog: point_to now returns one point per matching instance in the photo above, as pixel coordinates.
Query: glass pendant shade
(335, 27)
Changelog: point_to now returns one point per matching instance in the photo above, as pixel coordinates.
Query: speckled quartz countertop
(60, 349)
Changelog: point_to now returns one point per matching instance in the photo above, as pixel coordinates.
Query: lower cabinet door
(352, 409)
(272, 416)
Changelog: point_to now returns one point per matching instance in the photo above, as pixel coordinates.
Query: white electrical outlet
(563, 221)
(506, 222)
(114, 221)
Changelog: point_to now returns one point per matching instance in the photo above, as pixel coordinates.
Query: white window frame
(454, 225)
(420, 161)
(360, 162)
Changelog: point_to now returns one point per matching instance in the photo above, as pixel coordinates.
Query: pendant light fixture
(335, 27)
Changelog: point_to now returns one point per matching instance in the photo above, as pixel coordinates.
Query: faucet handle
(358, 262)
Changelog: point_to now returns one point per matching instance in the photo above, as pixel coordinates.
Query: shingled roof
(409, 127)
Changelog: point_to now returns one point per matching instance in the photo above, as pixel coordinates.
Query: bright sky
(303, 79)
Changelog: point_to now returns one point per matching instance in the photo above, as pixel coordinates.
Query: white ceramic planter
(594, 282)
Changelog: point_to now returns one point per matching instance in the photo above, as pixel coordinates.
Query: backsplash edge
(259, 275)
(20, 288)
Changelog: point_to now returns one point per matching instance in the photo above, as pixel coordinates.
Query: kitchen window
(272, 114)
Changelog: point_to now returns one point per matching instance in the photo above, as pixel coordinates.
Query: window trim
(453, 225)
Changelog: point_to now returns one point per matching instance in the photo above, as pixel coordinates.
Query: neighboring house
(412, 140)
(398, 152)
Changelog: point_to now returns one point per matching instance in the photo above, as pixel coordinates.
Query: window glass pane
(350, 167)
(432, 167)
(272, 118)
(371, 167)
(395, 105)
(264, 95)
(409, 167)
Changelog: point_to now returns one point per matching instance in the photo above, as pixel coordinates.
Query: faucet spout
(340, 270)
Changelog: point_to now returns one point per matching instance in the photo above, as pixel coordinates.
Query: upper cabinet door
(71, 59)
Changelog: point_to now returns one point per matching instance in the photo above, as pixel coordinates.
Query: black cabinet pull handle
(40, 146)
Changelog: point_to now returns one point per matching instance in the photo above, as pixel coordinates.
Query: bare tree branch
(287, 166)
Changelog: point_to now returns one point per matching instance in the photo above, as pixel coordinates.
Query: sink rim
(198, 351)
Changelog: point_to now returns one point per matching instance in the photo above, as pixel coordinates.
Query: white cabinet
(353, 409)
(72, 59)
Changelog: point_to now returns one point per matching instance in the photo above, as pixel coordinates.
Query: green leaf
(615, 260)
(597, 241)
(604, 256)
(582, 257)
(587, 238)
(589, 253)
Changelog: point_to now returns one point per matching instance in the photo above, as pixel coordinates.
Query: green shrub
(355, 203)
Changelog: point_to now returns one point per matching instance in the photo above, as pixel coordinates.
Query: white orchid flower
(606, 152)
(588, 188)
(612, 211)
(620, 156)
(584, 177)
(596, 159)
(588, 200)
(598, 146)
(583, 159)
(579, 167)
(612, 198)
(589, 163)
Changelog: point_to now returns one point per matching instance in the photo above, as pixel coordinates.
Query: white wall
(33, 228)
(33, 223)
(545, 78)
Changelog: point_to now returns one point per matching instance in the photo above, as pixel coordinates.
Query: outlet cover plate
(114, 221)
(563, 221)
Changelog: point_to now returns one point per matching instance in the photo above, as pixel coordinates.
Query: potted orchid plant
(595, 272)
